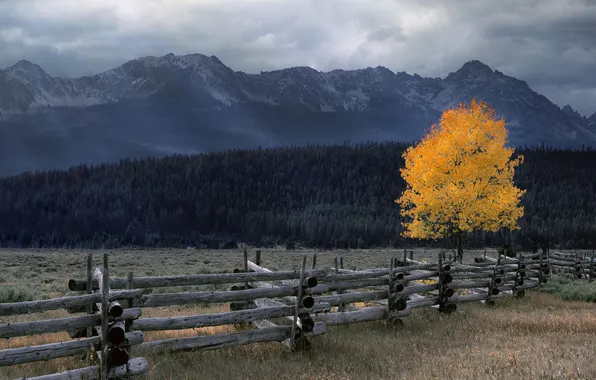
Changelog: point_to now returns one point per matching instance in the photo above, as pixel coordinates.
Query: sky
(551, 44)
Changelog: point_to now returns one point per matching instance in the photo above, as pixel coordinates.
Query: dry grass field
(538, 337)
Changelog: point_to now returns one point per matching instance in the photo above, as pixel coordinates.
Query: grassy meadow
(539, 337)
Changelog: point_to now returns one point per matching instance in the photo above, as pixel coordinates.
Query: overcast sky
(551, 44)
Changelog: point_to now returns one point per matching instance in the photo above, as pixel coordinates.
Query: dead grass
(539, 337)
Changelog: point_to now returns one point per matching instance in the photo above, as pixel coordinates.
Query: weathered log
(470, 284)
(449, 292)
(376, 272)
(526, 285)
(218, 319)
(418, 301)
(305, 323)
(118, 356)
(419, 288)
(335, 285)
(82, 333)
(199, 279)
(400, 304)
(155, 300)
(421, 276)
(28, 307)
(115, 309)
(299, 343)
(475, 297)
(50, 351)
(309, 281)
(241, 305)
(366, 314)
(116, 332)
(134, 367)
(346, 298)
(9, 330)
(214, 342)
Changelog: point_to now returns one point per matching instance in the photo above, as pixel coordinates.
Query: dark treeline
(317, 196)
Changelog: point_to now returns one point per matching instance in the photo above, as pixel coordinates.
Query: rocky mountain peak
(569, 111)
(208, 84)
(473, 69)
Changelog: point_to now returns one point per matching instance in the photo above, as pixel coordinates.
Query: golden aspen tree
(459, 177)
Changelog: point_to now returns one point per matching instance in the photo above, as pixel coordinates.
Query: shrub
(507, 250)
(571, 289)
(15, 293)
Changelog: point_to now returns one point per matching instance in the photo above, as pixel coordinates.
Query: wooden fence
(103, 331)
(290, 307)
(582, 266)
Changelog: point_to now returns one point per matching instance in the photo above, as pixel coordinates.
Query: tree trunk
(460, 248)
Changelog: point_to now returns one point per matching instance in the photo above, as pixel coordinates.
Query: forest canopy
(316, 196)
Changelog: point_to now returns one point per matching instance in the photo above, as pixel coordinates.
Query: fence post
(314, 261)
(297, 305)
(390, 295)
(405, 257)
(519, 281)
(340, 307)
(128, 323)
(104, 317)
(258, 257)
(245, 260)
(445, 292)
(89, 289)
(540, 272)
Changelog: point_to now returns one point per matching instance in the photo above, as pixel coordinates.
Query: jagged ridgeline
(318, 196)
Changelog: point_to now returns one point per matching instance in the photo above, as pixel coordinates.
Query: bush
(571, 289)
(15, 293)
(508, 251)
(230, 244)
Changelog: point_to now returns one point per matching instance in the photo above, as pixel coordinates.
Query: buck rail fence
(581, 265)
(287, 306)
(101, 331)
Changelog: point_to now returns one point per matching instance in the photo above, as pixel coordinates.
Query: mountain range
(155, 106)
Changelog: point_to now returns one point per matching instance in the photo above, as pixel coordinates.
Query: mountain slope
(193, 103)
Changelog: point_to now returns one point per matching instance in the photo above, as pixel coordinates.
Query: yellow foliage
(427, 281)
(460, 176)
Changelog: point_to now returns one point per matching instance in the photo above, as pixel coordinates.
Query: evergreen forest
(327, 197)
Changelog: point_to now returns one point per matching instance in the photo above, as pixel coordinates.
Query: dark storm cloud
(551, 44)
